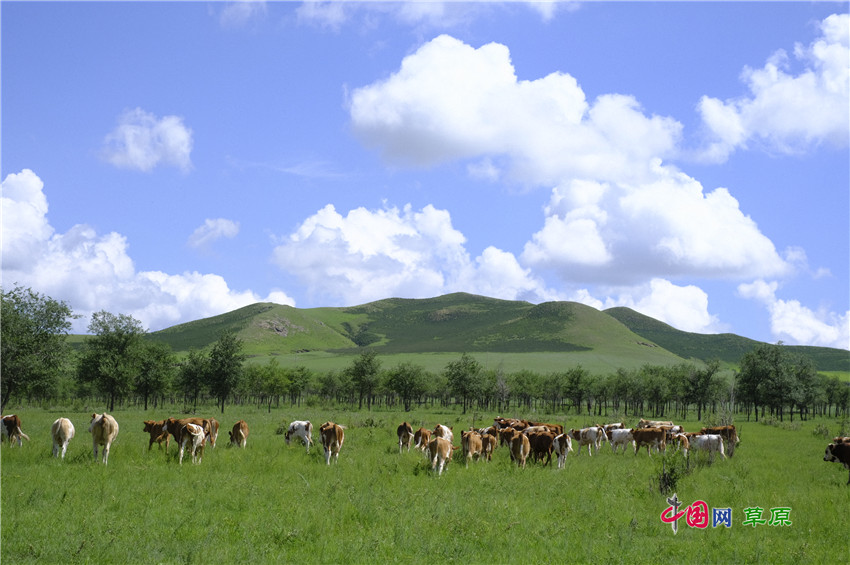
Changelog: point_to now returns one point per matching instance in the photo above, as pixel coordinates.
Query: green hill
(725, 347)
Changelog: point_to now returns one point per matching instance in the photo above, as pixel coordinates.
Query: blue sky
(174, 161)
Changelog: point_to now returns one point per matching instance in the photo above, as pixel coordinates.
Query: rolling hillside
(462, 322)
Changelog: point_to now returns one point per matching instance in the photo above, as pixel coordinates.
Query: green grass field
(270, 503)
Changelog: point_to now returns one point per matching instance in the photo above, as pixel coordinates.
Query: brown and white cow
(728, 433)
(103, 429)
(470, 442)
(62, 431)
(650, 437)
(520, 448)
(332, 438)
(194, 437)
(177, 427)
(488, 445)
(542, 445)
(213, 431)
(683, 443)
(841, 439)
(157, 434)
(421, 439)
(440, 451)
(443, 431)
(592, 436)
(653, 423)
(405, 436)
(561, 445)
(239, 434)
(838, 453)
(557, 428)
(301, 429)
(11, 430)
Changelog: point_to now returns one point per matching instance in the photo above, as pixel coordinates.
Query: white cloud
(794, 323)
(371, 254)
(211, 230)
(683, 307)
(331, 15)
(241, 12)
(94, 272)
(788, 112)
(142, 141)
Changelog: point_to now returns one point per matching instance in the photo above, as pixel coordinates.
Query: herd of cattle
(523, 438)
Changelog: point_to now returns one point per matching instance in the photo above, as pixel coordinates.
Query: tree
(298, 380)
(225, 366)
(701, 385)
(408, 382)
(364, 375)
(156, 371)
(767, 378)
(33, 350)
(463, 377)
(193, 375)
(112, 357)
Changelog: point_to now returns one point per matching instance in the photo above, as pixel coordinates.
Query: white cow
(592, 436)
(103, 429)
(301, 429)
(62, 432)
(620, 437)
(194, 436)
(711, 443)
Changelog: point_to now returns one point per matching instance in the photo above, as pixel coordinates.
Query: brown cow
(176, 427)
(440, 450)
(488, 445)
(405, 436)
(520, 448)
(542, 444)
(838, 453)
(157, 434)
(11, 430)
(650, 437)
(239, 434)
(472, 446)
(213, 432)
(421, 439)
(332, 438)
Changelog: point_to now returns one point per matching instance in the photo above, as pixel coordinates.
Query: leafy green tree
(33, 349)
(768, 377)
(577, 381)
(701, 384)
(112, 356)
(524, 386)
(364, 372)
(192, 376)
(156, 371)
(297, 382)
(408, 382)
(464, 379)
(225, 366)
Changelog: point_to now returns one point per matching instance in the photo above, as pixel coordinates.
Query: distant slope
(725, 347)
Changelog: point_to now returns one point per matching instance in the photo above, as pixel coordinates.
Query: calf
(421, 439)
(542, 445)
(239, 434)
(520, 448)
(488, 446)
(332, 438)
(683, 442)
(62, 432)
(177, 427)
(213, 432)
(650, 437)
(712, 443)
(11, 430)
(561, 445)
(728, 433)
(838, 453)
(302, 429)
(440, 450)
(195, 437)
(157, 433)
(103, 429)
(620, 437)
(405, 436)
(443, 431)
(592, 436)
(653, 423)
(472, 446)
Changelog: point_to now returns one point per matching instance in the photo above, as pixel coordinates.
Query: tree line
(119, 364)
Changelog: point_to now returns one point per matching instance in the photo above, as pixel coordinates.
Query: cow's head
(829, 455)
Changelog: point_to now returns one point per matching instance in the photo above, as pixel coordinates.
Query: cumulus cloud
(794, 323)
(142, 141)
(211, 230)
(95, 272)
(371, 254)
(784, 111)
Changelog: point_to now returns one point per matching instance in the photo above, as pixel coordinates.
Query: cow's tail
(22, 434)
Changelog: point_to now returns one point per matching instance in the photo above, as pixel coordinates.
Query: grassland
(272, 503)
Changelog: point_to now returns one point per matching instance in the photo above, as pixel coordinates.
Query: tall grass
(271, 503)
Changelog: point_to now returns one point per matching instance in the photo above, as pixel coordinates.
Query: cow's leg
(64, 448)
(106, 453)
(95, 452)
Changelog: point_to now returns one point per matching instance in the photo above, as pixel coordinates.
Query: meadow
(272, 503)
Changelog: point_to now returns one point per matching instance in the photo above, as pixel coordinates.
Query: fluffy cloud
(794, 323)
(788, 112)
(94, 272)
(212, 230)
(451, 101)
(141, 141)
(683, 307)
(371, 254)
